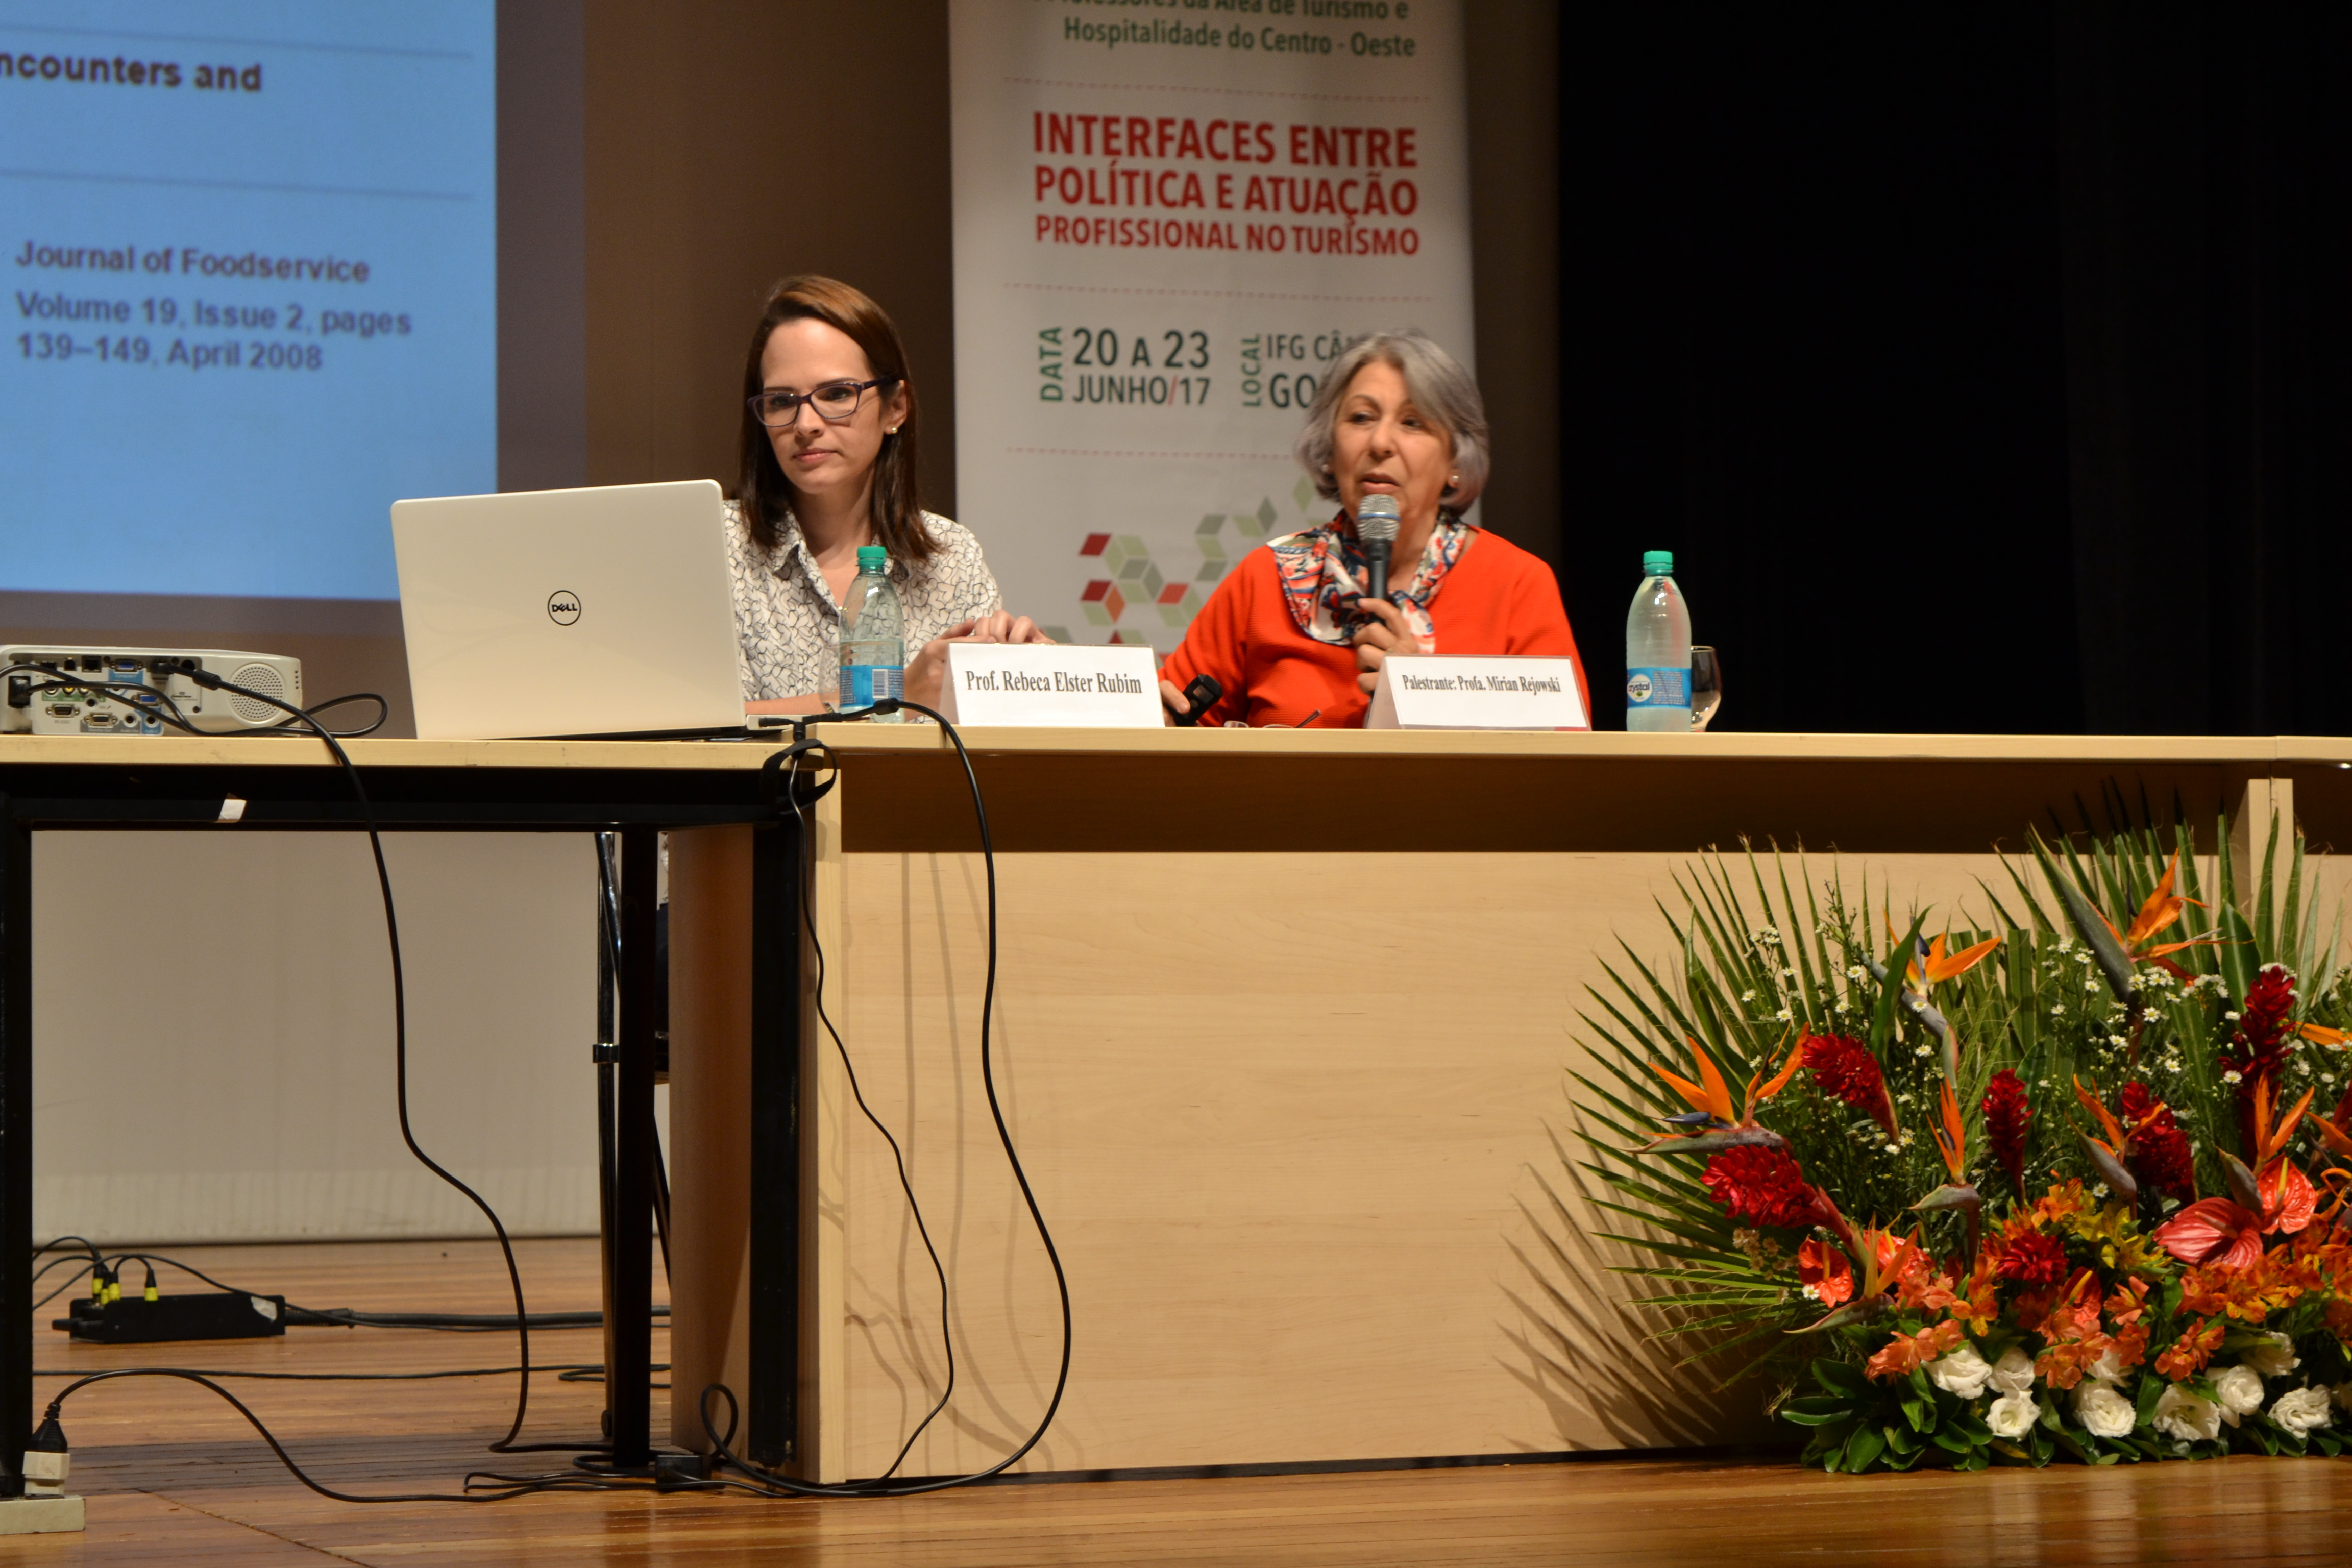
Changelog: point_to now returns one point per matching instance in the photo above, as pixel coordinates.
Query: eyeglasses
(833, 402)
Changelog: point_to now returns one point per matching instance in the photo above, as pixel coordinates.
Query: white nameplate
(1449, 691)
(1034, 683)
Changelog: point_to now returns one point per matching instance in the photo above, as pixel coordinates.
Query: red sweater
(1496, 599)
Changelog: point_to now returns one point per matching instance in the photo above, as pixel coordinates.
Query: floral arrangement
(2069, 1186)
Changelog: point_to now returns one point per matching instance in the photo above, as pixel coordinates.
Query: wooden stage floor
(173, 1476)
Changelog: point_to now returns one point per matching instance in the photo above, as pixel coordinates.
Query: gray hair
(1439, 387)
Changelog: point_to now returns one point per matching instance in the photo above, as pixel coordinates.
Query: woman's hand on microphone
(927, 671)
(1384, 633)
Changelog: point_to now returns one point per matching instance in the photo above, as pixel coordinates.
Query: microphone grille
(1376, 520)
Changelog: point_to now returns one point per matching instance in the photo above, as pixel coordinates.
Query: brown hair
(763, 491)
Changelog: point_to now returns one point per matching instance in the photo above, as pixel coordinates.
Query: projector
(119, 690)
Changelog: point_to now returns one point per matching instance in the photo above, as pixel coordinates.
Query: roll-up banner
(1170, 216)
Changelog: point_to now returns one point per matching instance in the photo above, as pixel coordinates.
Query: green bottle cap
(1657, 564)
(872, 558)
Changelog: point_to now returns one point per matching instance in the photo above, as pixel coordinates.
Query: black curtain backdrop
(1987, 370)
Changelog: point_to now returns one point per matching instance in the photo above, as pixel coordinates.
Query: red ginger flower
(2258, 1048)
(2033, 1259)
(2005, 1116)
(1843, 1068)
(2160, 1151)
(1763, 1185)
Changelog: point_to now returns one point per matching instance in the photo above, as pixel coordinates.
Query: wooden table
(1283, 1022)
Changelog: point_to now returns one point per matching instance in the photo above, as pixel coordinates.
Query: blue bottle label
(862, 685)
(1658, 687)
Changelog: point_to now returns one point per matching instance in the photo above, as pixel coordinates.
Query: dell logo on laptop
(563, 606)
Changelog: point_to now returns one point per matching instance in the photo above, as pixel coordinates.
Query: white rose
(2182, 1415)
(2240, 1389)
(2303, 1410)
(2273, 1356)
(2102, 1410)
(1964, 1372)
(2013, 1372)
(2012, 1416)
(2109, 1368)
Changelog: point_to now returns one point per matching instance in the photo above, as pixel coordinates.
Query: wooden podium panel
(1283, 1026)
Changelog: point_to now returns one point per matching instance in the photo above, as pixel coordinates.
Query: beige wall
(709, 176)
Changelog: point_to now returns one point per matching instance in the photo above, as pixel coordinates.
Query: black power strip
(210, 1315)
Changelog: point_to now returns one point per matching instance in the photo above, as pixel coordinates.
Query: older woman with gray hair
(1292, 636)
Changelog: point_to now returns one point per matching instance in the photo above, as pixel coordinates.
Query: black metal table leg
(629, 1367)
(15, 1146)
(772, 1417)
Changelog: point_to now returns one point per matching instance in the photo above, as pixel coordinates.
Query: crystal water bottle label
(1668, 687)
(864, 685)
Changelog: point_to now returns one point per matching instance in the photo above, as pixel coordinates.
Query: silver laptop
(547, 613)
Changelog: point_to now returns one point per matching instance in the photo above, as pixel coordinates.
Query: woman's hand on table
(928, 668)
(1384, 633)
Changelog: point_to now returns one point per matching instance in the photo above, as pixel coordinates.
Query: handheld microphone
(1376, 526)
(1199, 698)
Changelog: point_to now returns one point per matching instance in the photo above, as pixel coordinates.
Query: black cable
(202, 1380)
(383, 712)
(565, 1372)
(400, 1057)
(804, 874)
(595, 1372)
(61, 1290)
(769, 1482)
(443, 1323)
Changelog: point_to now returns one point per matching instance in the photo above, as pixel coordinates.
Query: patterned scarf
(1323, 576)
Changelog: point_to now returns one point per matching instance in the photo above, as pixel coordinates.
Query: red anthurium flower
(2216, 1231)
(2289, 1199)
(1825, 1269)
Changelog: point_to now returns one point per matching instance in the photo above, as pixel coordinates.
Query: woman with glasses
(828, 464)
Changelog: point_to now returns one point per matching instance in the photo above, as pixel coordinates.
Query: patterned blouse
(787, 626)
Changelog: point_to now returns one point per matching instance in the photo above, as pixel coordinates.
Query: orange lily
(2321, 1035)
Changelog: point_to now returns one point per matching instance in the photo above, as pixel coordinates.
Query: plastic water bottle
(873, 636)
(1657, 651)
